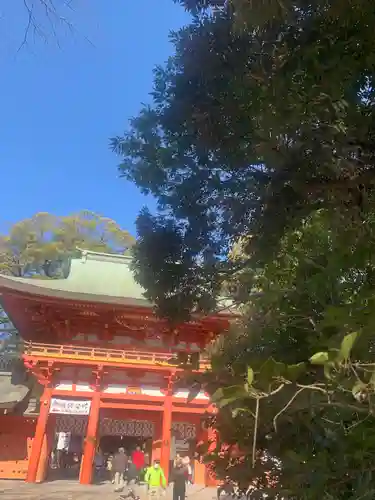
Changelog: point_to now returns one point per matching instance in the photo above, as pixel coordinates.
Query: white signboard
(69, 407)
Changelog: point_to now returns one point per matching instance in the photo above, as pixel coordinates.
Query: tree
(34, 245)
(217, 124)
(314, 415)
(261, 131)
(268, 109)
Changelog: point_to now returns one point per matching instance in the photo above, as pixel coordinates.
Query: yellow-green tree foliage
(32, 244)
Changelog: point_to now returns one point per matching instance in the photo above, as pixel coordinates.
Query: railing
(121, 356)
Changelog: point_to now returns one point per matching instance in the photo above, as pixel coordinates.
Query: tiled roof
(94, 276)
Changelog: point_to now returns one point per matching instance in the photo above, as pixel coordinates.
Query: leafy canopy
(32, 245)
(256, 121)
(302, 359)
(258, 147)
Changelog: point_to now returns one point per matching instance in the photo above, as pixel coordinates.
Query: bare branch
(301, 389)
(255, 435)
(29, 23)
(46, 12)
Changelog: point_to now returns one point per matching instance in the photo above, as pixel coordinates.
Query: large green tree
(32, 245)
(260, 136)
(254, 124)
(295, 377)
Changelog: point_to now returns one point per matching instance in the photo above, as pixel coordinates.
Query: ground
(71, 490)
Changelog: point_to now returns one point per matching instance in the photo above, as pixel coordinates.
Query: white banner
(70, 407)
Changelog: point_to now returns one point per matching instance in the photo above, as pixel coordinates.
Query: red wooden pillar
(157, 439)
(165, 452)
(40, 435)
(90, 441)
(47, 447)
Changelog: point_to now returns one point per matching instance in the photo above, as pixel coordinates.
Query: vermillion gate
(93, 338)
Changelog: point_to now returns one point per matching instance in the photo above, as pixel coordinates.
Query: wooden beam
(187, 409)
(116, 413)
(130, 406)
(142, 316)
(141, 398)
(93, 362)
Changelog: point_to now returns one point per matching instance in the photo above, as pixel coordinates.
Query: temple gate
(107, 364)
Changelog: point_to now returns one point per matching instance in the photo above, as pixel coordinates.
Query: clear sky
(60, 105)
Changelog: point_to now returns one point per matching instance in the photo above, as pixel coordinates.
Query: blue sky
(60, 105)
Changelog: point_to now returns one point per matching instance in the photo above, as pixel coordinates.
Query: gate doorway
(113, 433)
(127, 434)
(110, 444)
(66, 456)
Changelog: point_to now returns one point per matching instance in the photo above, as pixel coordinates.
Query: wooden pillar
(43, 462)
(40, 436)
(157, 439)
(165, 451)
(90, 441)
(47, 448)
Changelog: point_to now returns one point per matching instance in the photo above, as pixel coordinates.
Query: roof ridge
(104, 256)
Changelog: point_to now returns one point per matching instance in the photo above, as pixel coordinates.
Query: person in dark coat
(119, 466)
(179, 478)
(131, 472)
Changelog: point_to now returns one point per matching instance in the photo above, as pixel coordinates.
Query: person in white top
(186, 462)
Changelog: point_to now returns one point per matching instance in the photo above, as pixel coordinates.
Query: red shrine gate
(110, 357)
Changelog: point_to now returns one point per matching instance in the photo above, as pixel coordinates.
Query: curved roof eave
(43, 288)
(30, 287)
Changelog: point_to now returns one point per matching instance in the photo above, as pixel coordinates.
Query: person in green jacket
(155, 480)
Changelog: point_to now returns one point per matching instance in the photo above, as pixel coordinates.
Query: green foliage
(347, 345)
(285, 110)
(32, 245)
(258, 147)
(319, 358)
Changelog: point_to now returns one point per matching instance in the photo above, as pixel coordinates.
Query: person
(176, 460)
(186, 462)
(99, 463)
(131, 473)
(138, 458)
(179, 478)
(155, 479)
(109, 468)
(119, 466)
(62, 447)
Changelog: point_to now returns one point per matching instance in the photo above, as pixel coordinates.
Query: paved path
(71, 490)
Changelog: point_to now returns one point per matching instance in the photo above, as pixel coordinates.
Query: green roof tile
(95, 277)
(99, 275)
